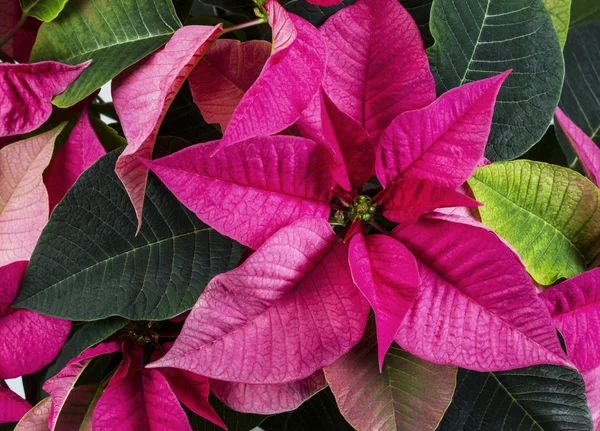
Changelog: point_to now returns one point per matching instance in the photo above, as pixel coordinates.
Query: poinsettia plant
(299, 215)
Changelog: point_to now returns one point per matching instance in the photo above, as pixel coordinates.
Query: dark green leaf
(314, 14)
(319, 413)
(183, 8)
(8, 427)
(235, 421)
(544, 397)
(89, 264)
(547, 150)
(584, 10)
(240, 7)
(44, 10)
(476, 39)
(560, 12)
(580, 98)
(107, 136)
(420, 10)
(85, 335)
(114, 33)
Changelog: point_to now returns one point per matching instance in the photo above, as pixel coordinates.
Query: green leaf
(89, 264)
(235, 421)
(560, 12)
(580, 98)
(319, 413)
(548, 213)
(107, 136)
(314, 14)
(114, 33)
(547, 150)
(544, 397)
(476, 39)
(420, 10)
(44, 10)
(86, 335)
(583, 11)
(396, 395)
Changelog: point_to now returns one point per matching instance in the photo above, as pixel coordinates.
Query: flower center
(363, 209)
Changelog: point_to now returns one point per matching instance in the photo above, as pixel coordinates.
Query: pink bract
(12, 406)
(575, 307)
(26, 91)
(295, 310)
(378, 67)
(143, 93)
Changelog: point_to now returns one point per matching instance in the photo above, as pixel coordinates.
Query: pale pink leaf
(61, 385)
(224, 74)
(251, 189)
(36, 419)
(189, 388)
(288, 82)
(386, 273)
(26, 91)
(12, 406)
(78, 153)
(575, 309)
(28, 340)
(408, 394)
(377, 66)
(443, 142)
(477, 307)
(268, 399)
(408, 198)
(23, 196)
(587, 151)
(291, 308)
(142, 95)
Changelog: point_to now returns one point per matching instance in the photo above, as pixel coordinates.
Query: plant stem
(379, 227)
(241, 26)
(13, 30)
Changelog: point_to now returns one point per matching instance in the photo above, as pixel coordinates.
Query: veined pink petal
(386, 273)
(477, 307)
(587, 151)
(36, 419)
(142, 95)
(408, 198)
(28, 340)
(291, 308)
(268, 399)
(347, 141)
(575, 308)
(189, 388)
(78, 153)
(224, 74)
(23, 196)
(26, 91)
(288, 82)
(378, 67)
(443, 142)
(251, 189)
(61, 385)
(12, 406)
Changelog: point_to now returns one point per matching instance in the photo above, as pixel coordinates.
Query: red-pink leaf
(191, 389)
(62, 384)
(36, 419)
(377, 66)
(23, 196)
(268, 399)
(251, 189)
(443, 142)
(288, 82)
(408, 198)
(290, 309)
(224, 74)
(575, 309)
(78, 153)
(587, 151)
(477, 307)
(142, 95)
(26, 91)
(28, 340)
(12, 406)
(386, 273)
(19, 47)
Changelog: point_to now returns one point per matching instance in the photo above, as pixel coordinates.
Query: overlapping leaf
(44, 10)
(113, 33)
(475, 39)
(549, 214)
(108, 271)
(560, 12)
